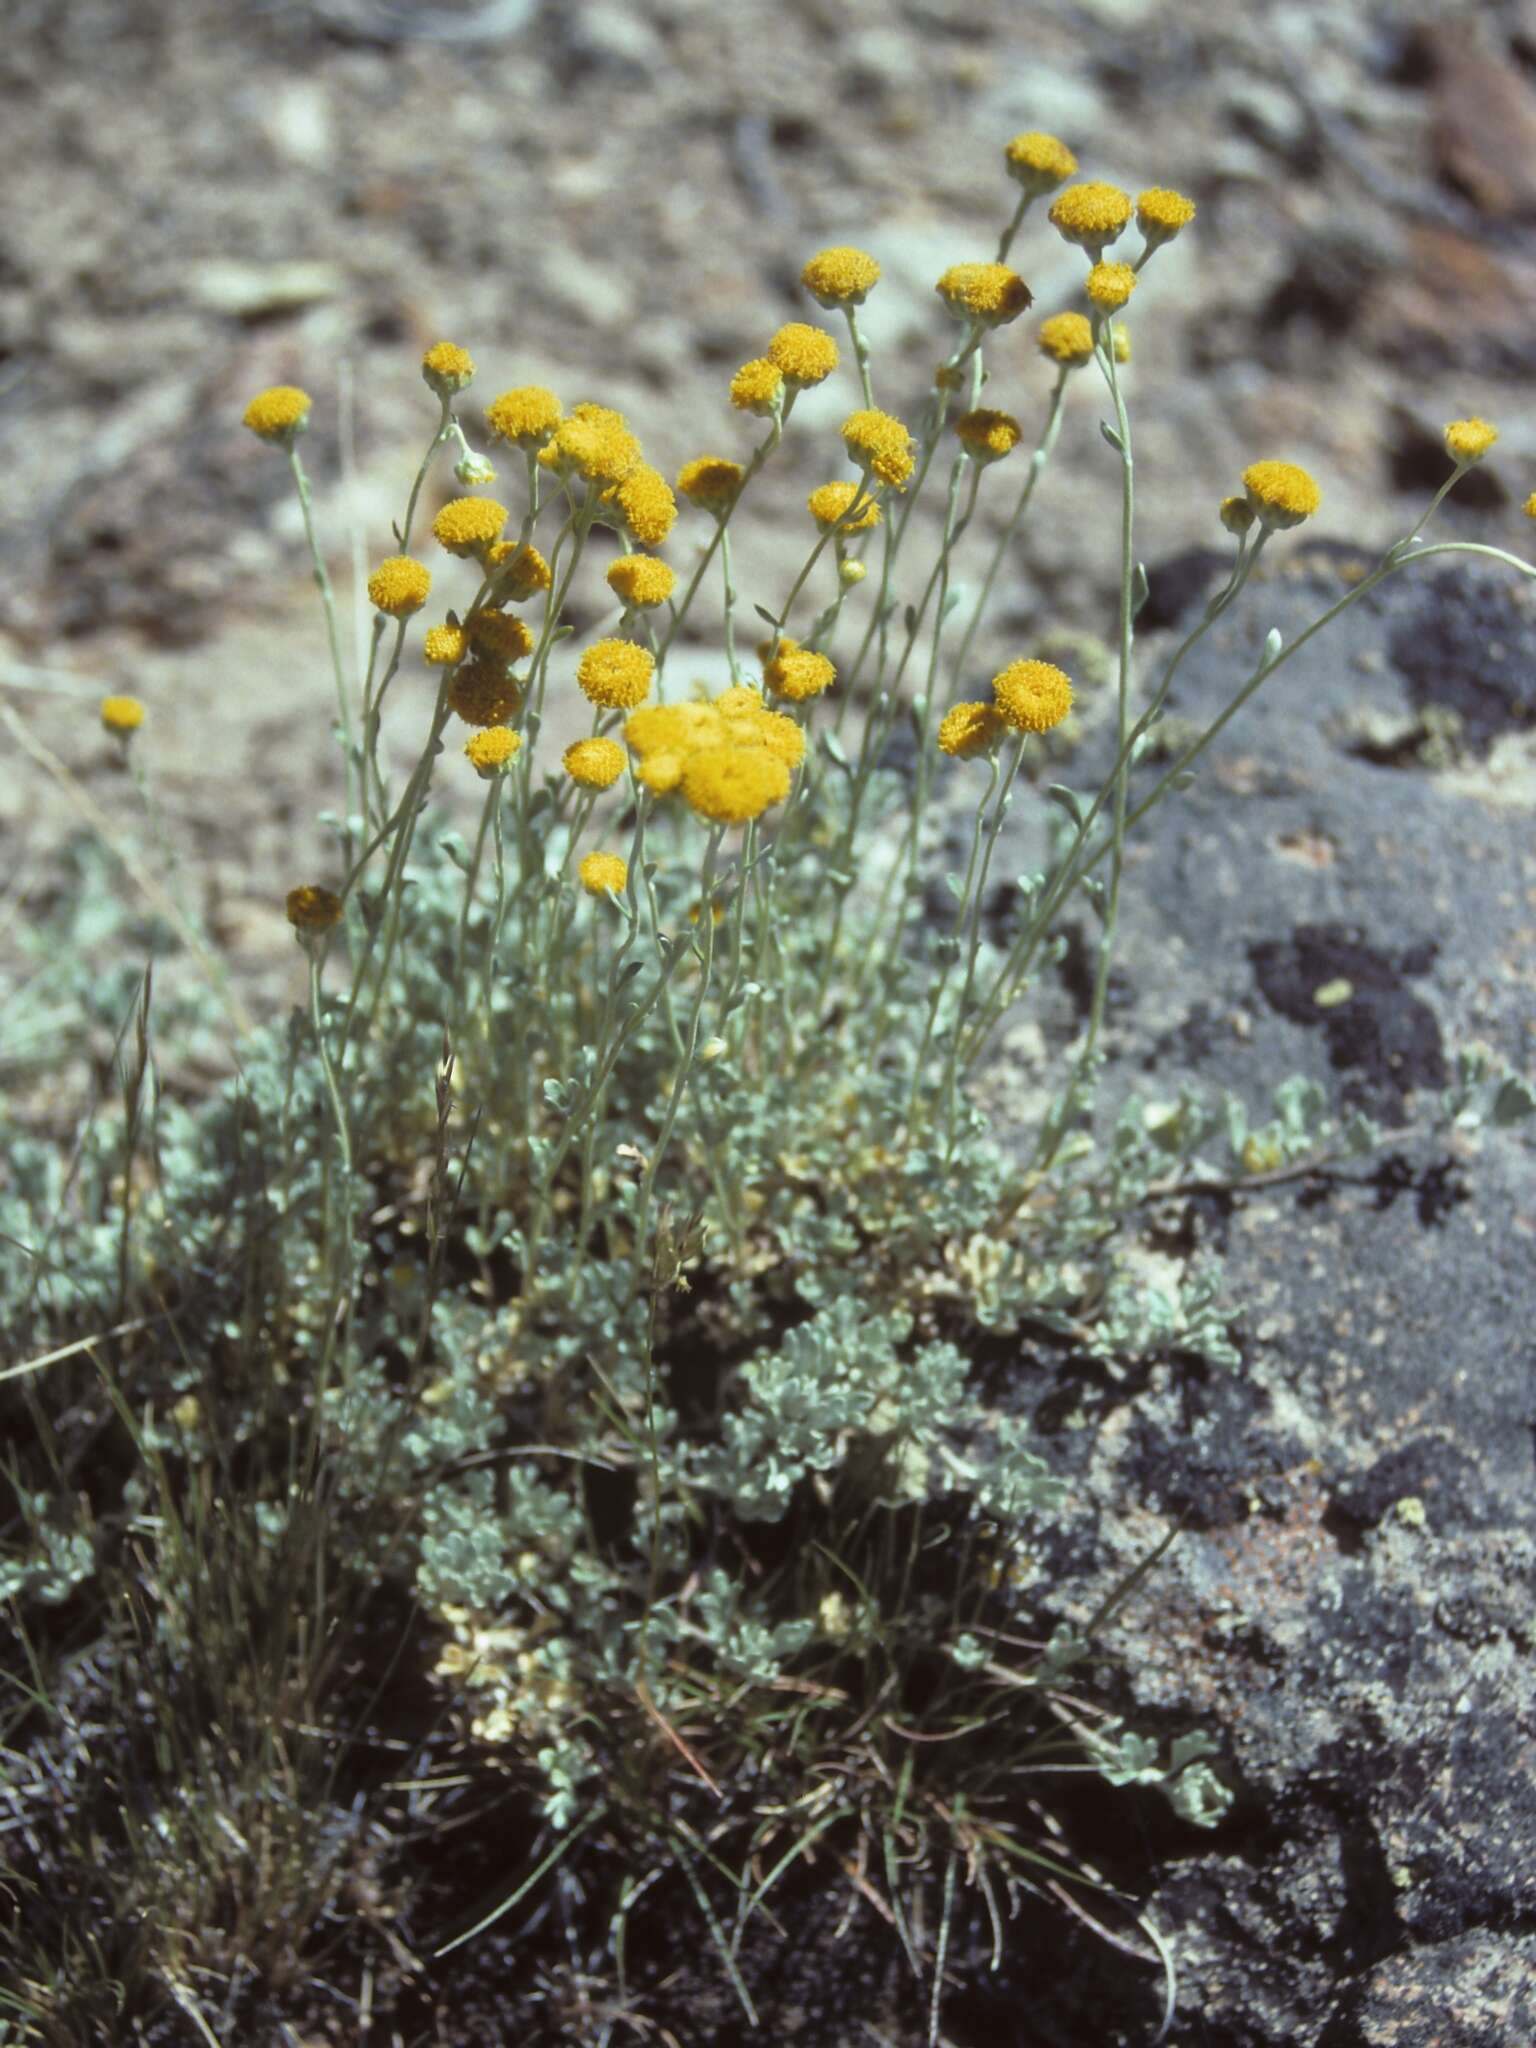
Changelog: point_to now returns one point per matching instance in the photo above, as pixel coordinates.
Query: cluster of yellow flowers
(732, 757)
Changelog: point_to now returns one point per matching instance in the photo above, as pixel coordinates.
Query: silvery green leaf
(909, 618)
(768, 618)
(1112, 436)
(1273, 642)
(1067, 800)
(1513, 1103)
(1185, 779)
(955, 887)
(954, 597)
(1141, 589)
(834, 748)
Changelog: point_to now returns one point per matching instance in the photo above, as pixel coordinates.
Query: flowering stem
(730, 606)
(685, 1067)
(975, 898)
(1037, 462)
(860, 354)
(1078, 1089)
(445, 422)
(332, 628)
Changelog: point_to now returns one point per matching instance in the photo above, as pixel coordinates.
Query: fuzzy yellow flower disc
(399, 586)
(1039, 162)
(1032, 696)
(468, 526)
(969, 729)
(758, 387)
(640, 580)
(482, 693)
(990, 293)
(796, 673)
(988, 436)
(500, 633)
(646, 504)
(840, 277)
(1067, 338)
(731, 784)
(122, 714)
(595, 764)
(829, 504)
(1529, 507)
(1469, 440)
(1282, 494)
(312, 909)
(601, 872)
(443, 645)
(520, 571)
(1090, 215)
(278, 413)
(615, 674)
(526, 416)
(880, 444)
(1161, 213)
(489, 752)
(711, 482)
(447, 368)
(1110, 285)
(802, 354)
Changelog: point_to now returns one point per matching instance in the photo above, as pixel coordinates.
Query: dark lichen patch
(1470, 646)
(1380, 1036)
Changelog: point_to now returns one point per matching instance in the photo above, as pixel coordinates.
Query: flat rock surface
(1350, 1597)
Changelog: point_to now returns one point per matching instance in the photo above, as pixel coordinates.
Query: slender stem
(332, 626)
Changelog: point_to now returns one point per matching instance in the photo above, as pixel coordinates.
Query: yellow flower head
(840, 277)
(662, 771)
(988, 293)
(730, 784)
(312, 909)
(646, 504)
(489, 752)
(595, 764)
(278, 414)
(482, 693)
(1067, 338)
(1110, 285)
(1236, 515)
(399, 586)
(988, 436)
(640, 580)
(525, 416)
(469, 526)
(711, 482)
(829, 504)
(1091, 215)
(520, 571)
(673, 729)
(849, 573)
(758, 387)
(1032, 696)
(1529, 507)
(1122, 343)
(447, 368)
(444, 645)
(775, 731)
(803, 355)
(615, 674)
(880, 444)
(594, 443)
(122, 714)
(1281, 493)
(969, 729)
(601, 872)
(1039, 162)
(1469, 440)
(499, 633)
(1161, 213)
(796, 673)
